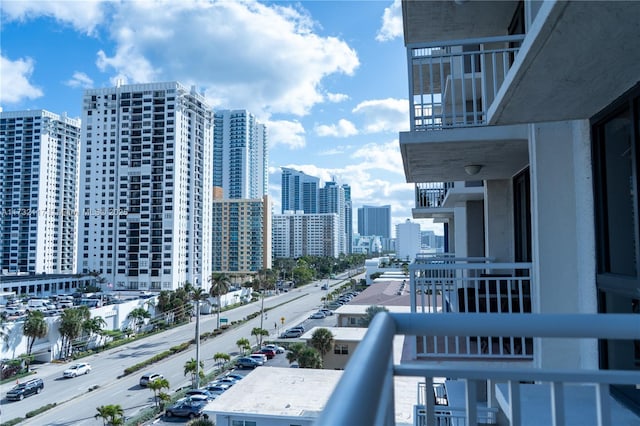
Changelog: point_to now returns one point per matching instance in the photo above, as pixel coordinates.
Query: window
(341, 349)
(243, 423)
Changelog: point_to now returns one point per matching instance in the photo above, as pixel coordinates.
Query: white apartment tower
(298, 234)
(240, 155)
(408, 240)
(38, 191)
(145, 195)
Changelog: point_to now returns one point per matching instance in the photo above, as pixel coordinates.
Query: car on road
(277, 349)
(317, 315)
(246, 362)
(150, 377)
(77, 369)
(21, 390)
(186, 408)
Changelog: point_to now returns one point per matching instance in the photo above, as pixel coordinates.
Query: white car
(277, 349)
(77, 369)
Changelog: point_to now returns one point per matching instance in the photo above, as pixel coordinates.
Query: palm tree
(137, 316)
(309, 358)
(191, 367)
(322, 341)
(218, 356)
(156, 387)
(35, 327)
(294, 352)
(371, 312)
(259, 332)
(70, 327)
(243, 345)
(110, 414)
(219, 285)
(197, 295)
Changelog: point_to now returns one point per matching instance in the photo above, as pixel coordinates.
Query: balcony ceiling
(575, 61)
(440, 156)
(429, 21)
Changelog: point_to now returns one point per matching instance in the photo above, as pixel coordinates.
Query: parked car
(259, 356)
(77, 369)
(186, 408)
(298, 327)
(246, 362)
(230, 381)
(215, 388)
(21, 390)
(270, 353)
(194, 393)
(317, 315)
(326, 312)
(150, 377)
(277, 349)
(235, 376)
(291, 334)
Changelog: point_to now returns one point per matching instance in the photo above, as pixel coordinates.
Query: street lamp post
(197, 381)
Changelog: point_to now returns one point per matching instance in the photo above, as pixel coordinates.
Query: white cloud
(337, 97)
(83, 15)
(288, 133)
(14, 84)
(384, 156)
(391, 22)
(343, 129)
(80, 79)
(383, 115)
(242, 54)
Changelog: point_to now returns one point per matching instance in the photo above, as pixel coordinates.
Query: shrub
(40, 410)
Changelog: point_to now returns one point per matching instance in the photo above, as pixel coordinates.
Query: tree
(191, 367)
(137, 316)
(322, 341)
(35, 327)
(309, 358)
(220, 284)
(70, 327)
(294, 352)
(156, 387)
(197, 295)
(111, 414)
(218, 356)
(371, 312)
(259, 332)
(243, 345)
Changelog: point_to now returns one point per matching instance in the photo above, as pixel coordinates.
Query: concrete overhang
(577, 58)
(441, 155)
(458, 195)
(430, 21)
(432, 213)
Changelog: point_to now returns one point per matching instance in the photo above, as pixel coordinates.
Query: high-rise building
(38, 191)
(348, 218)
(408, 240)
(333, 200)
(145, 195)
(375, 220)
(241, 235)
(240, 155)
(298, 234)
(299, 191)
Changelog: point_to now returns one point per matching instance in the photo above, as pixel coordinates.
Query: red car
(270, 353)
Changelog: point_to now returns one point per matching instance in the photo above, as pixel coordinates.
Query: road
(77, 405)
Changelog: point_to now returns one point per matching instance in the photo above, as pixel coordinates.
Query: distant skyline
(327, 78)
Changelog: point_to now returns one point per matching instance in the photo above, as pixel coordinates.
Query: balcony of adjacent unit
(452, 84)
(436, 200)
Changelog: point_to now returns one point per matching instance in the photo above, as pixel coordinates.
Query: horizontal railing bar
(466, 42)
(602, 326)
(622, 377)
(419, 264)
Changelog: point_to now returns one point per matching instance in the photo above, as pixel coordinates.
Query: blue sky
(328, 78)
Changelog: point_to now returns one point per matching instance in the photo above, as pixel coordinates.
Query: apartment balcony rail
(445, 284)
(365, 393)
(432, 194)
(452, 84)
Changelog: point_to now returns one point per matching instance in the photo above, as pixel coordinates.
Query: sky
(327, 78)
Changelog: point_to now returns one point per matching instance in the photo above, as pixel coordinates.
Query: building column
(498, 220)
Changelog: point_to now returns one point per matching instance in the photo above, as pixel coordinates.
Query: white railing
(365, 393)
(445, 284)
(452, 84)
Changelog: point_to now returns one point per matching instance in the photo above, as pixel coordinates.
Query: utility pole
(197, 381)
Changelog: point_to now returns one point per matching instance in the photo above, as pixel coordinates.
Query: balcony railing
(452, 84)
(432, 194)
(365, 393)
(447, 284)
